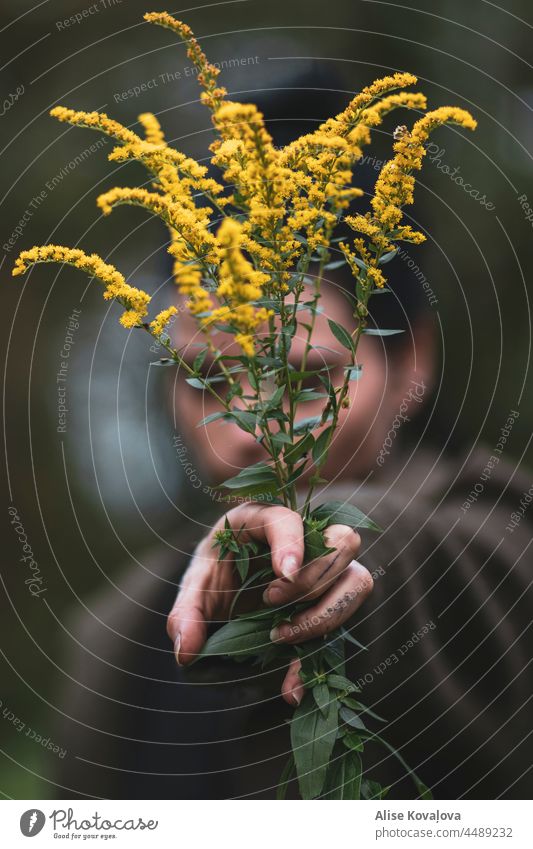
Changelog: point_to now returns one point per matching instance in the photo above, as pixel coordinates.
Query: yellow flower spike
(191, 224)
(239, 286)
(135, 300)
(212, 95)
(395, 184)
(161, 320)
(152, 128)
(130, 319)
(95, 121)
(406, 99)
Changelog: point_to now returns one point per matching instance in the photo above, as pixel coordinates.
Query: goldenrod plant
(250, 252)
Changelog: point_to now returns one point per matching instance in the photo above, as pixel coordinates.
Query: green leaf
(342, 335)
(352, 719)
(388, 256)
(353, 741)
(243, 563)
(284, 779)
(423, 790)
(280, 439)
(339, 682)
(315, 545)
(361, 708)
(308, 395)
(344, 513)
(373, 790)
(254, 476)
(239, 637)
(212, 418)
(263, 574)
(322, 697)
(319, 448)
(277, 397)
(347, 635)
(313, 737)
(164, 361)
(294, 452)
(354, 372)
(245, 420)
(296, 376)
(199, 360)
(344, 777)
(378, 331)
(305, 425)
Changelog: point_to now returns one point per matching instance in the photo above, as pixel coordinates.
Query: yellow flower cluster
(161, 320)
(95, 121)
(135, 300)
(325, 159)
(262, 185)
(240, 285)
(394, 189)
(152, 128)
(289, 201)
(207, 73)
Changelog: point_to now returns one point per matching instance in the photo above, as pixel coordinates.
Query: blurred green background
(90, 498)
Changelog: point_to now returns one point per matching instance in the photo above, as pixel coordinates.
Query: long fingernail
(289, 567)
(296, 699)
(177, 646)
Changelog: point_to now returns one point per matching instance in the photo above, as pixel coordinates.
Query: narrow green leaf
(212, 418)
(285, 777)
(378, 331)
(339, 682)
(319, 448)
(354, 372)
(342, 335)
(388, 256)
(344, 777)
(312, 737)
(294, 452)
(322, 697)
(344, 513)
(351, 718)
(239, 637)
(353, 741)
(243, 563)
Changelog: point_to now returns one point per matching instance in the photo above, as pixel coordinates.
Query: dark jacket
(448, 631)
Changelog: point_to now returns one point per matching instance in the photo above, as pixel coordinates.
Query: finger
(334, 608)
(187, 627)
(280, 527)
(206, 591)
(292, 688)
(315, 578)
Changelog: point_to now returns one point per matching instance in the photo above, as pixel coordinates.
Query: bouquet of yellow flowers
(250, 252)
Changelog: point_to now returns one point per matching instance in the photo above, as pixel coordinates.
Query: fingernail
(275, 635)
(296, 699)
(273, 595)
(177, 646)
(289, 567)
